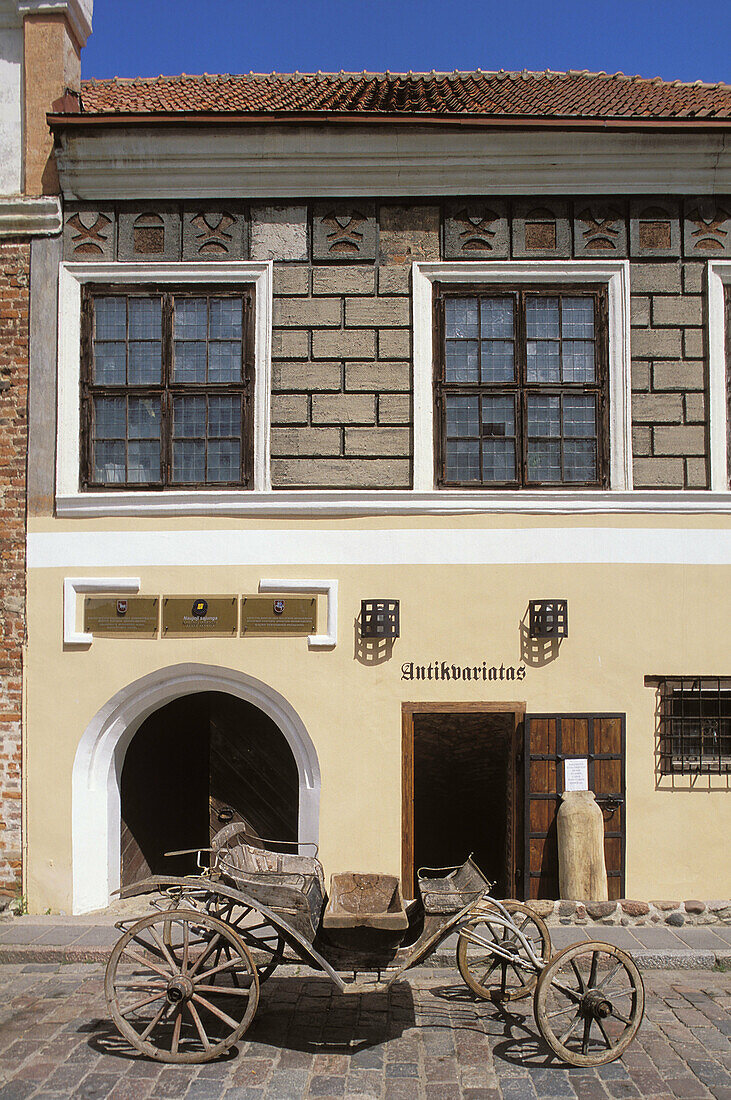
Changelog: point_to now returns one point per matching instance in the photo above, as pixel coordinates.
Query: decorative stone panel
(149, 232)
(476, 230)
(654, 227)
(89, 233)
(707, 227)
(279, 233)
(344, 231)
(541, 229)
(214, 231)
(600, 228)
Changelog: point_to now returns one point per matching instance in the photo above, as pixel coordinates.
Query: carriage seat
(291, 885)
(365, 901)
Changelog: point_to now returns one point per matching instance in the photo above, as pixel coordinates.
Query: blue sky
(673, 39)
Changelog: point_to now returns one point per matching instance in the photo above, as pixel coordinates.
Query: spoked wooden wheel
(256, 932)
(486, 972)
(589, 1003)
(181, 986)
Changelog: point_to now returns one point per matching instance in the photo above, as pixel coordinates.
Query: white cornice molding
(284, 161)
(24, 217)
(77, 12)
(388, 502)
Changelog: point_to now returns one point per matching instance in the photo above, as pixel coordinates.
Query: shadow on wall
(371, 651)
(536, 652)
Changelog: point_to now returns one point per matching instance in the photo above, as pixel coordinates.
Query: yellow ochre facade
(627, 620)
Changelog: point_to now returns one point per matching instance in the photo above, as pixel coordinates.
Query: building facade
(379, 487)
(40, 43)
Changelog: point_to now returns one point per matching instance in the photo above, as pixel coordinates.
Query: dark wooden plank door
(549, 740)
(253, 775)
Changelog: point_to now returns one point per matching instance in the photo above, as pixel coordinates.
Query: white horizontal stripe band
(531, 546)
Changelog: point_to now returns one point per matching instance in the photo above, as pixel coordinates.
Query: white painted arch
(99, 758)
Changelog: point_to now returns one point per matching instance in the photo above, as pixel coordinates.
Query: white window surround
(719, 275)
(72, 276)
(615, 274)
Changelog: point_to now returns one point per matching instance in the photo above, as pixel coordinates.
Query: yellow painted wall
(626, 621)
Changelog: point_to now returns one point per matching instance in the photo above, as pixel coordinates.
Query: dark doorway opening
(198, 762)
(464, 792)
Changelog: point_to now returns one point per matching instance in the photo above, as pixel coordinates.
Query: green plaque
(215, 616)
(282, 615)
(131, 615)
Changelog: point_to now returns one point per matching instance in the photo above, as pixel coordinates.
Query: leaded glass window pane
(463, 460)
(110, 363)
(462, 361)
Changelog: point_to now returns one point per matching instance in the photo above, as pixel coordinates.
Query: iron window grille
(695, 725)
(521, 386)
(167, 378)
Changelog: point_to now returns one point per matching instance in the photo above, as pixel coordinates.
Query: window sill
(342, 502)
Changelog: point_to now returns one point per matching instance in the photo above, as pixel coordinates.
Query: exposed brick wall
(14, 320)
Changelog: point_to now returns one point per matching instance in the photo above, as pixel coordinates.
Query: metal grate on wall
(695, 725)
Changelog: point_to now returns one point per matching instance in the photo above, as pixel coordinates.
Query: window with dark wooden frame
(521, 387)
(167, 380)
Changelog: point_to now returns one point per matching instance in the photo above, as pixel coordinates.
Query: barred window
(521, 387)
(695, 725)
(167, 381)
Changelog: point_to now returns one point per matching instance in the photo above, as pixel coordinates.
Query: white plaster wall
(11, 125)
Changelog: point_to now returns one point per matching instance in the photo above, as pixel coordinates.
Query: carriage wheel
(484, 971)
(181, 986)
(589, 1003)
(254, 930)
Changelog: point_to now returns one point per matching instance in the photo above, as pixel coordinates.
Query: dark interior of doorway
(463, 792)
(196, 763)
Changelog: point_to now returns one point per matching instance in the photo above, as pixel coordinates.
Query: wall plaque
(183, 616)
(132, 615)
(282, 615)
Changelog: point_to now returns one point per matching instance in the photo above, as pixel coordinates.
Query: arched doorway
(100, 758)
(195, 763)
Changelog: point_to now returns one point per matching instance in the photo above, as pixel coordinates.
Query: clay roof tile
(575, 94)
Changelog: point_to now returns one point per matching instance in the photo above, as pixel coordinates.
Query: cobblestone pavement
(426, 1038)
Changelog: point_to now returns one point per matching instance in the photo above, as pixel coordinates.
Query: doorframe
(408, 710)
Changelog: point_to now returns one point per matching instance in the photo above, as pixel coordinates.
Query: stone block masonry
(14, 331)
(668, 314)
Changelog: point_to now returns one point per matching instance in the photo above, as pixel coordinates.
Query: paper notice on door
(576, 774)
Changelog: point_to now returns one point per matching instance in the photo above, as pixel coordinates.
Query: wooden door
(549, 740)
